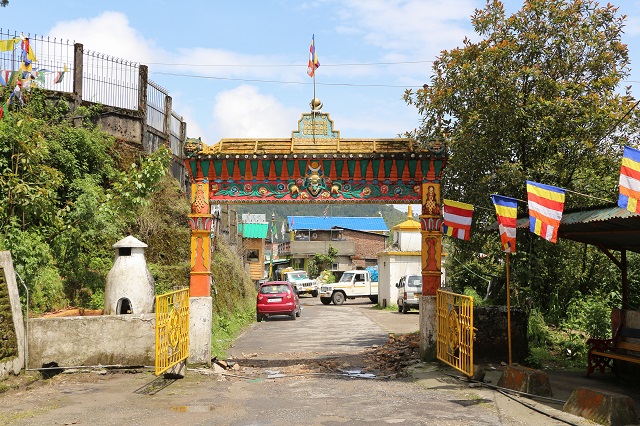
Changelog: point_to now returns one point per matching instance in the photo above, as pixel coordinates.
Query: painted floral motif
(337, 191)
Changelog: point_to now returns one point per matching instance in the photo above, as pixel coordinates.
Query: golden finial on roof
(409, 212)
(316, 104)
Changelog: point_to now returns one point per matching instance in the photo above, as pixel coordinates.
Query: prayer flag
(507, 213)
(313, 58)
(2, 80)
(546, 204)
(457, 219)
(630, 180)
(60, 75)
(8, 45)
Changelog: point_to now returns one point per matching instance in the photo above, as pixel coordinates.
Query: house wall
(392, 266)
(367, 246)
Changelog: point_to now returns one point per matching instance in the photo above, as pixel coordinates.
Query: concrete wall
(100, 340)
(12, 365)
(491, 342)
(392, 266)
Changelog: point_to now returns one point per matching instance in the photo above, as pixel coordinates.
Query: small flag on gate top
(507, 214)
(630, 180)
(313, 58)
(546, 204)
(457, 219)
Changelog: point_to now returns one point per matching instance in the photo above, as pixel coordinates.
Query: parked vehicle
(300, 280)
(409, 291)
(352, 284)
(277, 298)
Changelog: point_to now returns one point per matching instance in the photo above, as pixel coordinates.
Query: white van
(409, 292)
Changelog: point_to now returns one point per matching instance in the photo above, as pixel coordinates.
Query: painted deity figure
(430, 205)
(314, 179)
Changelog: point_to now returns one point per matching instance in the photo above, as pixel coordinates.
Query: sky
(238, 69)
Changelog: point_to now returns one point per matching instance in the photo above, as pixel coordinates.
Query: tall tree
(536, 98)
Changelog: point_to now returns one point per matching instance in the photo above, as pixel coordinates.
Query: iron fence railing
(156, 98)
(64, 66)
(54, 59)
(109, 80)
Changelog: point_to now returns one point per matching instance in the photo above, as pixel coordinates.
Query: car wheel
(325, 300)
(405, 309)
(298, 312)
(258, 317)
(338, 298)
(293, 315)
(314, 293)
(399, 307)
(374, 299)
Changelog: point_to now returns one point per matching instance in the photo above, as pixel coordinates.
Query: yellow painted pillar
(200, 221)
(431, 233)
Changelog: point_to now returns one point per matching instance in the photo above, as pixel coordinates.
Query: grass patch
(388, 308)
(227, 326)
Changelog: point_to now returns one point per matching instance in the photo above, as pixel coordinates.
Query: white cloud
(423, 27)
(110, 33)
(244, 112)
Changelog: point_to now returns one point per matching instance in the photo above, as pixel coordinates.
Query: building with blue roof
(357, 240)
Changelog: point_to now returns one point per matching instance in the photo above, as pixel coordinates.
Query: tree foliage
(535, 98)
(64, 201)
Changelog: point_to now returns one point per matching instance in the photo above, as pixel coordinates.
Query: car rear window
(274, 289)
(415, 281)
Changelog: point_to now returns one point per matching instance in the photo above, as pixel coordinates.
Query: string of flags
(26, 76)
(545, 204)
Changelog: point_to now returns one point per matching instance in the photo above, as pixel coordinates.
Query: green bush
(477, 299)
(590, 314)
(537, 329)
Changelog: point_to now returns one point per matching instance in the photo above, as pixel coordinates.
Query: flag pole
(508, 307)
(313, 108)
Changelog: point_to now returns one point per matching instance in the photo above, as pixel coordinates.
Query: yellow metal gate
(172, 329)
(455, 330)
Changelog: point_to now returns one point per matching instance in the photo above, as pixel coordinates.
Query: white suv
(409, 291)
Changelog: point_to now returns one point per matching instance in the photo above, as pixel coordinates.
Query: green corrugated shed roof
(254, 230)
(606, 226)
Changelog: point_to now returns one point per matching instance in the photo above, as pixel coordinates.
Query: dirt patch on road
(388, 360)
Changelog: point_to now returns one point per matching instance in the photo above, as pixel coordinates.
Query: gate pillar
(200, 220)
(201, 303)
(431, 233)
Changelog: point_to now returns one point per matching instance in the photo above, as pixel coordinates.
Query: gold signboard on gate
(455, 330)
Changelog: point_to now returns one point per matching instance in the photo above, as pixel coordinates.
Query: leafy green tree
(536, 98)
(64, 200)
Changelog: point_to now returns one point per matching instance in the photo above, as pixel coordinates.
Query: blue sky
(238, 68)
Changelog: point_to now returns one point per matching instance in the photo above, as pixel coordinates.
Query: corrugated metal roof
(321, 223)
(255, 230)
(608, 226)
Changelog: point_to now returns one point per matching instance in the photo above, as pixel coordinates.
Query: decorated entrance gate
(314, 165)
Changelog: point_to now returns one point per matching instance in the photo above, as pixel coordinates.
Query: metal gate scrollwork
(455, 330)
(172, 329)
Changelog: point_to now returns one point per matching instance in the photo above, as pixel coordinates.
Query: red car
(277, 298)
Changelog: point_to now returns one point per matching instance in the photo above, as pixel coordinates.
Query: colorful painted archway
(314, 165)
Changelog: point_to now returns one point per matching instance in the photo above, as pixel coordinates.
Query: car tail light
(404, 296)
(288, 295)
(260, 297)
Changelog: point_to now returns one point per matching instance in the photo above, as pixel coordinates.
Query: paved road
(300, 379)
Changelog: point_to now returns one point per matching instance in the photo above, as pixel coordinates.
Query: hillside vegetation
(67, 194)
